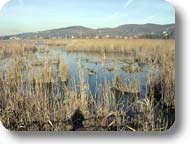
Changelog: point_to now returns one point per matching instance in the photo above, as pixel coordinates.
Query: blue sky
(19, 16)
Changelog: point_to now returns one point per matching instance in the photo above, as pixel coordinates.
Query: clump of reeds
(63, 70)
(117, 46)
(17, 47)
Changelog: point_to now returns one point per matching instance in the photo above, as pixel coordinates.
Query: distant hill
(123, 31)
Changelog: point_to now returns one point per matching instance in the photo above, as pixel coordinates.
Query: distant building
(165, 33)
(107, 36)
(14, 38)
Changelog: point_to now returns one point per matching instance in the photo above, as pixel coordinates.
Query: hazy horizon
(81, 26)
(21, 16)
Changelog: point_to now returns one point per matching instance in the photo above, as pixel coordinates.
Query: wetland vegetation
(87, 84)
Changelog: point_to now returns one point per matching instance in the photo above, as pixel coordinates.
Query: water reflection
(97, 69)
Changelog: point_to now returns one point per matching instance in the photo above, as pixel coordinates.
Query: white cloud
(150, 18)
(128, 3)
(117, 14)
(2, 3)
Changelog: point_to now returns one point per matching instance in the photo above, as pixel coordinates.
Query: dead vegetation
(43, 101)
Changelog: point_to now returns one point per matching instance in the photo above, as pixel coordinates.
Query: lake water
(95, 62)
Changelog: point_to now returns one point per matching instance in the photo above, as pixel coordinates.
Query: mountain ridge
(126, 30)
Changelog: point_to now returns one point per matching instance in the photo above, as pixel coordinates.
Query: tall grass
(35, 104)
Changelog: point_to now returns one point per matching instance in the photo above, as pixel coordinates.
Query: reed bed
(13, 47)
(144, 49)
(41, 103)
(111, 45)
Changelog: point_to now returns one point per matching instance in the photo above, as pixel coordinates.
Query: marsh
(49, 83)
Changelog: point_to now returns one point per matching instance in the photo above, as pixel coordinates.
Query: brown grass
(39, 108)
